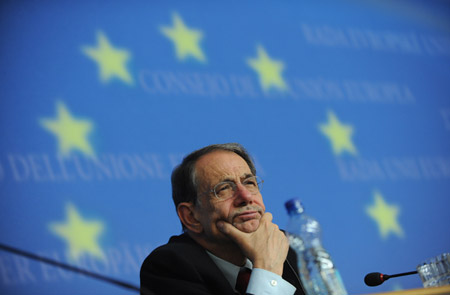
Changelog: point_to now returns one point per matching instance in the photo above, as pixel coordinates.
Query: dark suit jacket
(183, 267)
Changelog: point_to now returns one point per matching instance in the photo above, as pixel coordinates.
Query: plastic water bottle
(317, 271)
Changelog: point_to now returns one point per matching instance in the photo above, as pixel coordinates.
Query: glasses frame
(259, 183)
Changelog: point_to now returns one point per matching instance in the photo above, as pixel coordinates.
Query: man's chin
(248, 226)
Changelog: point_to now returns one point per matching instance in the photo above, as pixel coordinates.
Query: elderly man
(226, 232)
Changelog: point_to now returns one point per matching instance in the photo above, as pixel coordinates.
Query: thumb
(229, 230)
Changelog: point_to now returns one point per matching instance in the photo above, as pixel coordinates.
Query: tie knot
(242, 280)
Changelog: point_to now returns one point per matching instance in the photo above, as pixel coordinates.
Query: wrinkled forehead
(218, 166)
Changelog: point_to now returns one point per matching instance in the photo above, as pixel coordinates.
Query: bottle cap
(294, 205)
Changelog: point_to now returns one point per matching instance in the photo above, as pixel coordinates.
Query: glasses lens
(227, 189)
(253, 184)
(224, 190)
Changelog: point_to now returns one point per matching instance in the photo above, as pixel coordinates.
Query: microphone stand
(400, 274)
(69, 267)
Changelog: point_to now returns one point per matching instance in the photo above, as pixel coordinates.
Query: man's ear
(185, 211)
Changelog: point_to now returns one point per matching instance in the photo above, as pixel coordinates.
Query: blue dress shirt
(262, 282)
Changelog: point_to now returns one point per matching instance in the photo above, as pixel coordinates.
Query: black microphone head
(374, 279)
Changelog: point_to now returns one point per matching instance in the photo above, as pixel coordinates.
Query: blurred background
(343, 104)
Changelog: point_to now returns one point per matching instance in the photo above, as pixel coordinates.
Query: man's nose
(243, 195)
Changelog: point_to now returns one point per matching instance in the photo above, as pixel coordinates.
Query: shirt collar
(229, 270)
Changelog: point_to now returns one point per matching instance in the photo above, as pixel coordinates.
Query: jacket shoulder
(182, 267)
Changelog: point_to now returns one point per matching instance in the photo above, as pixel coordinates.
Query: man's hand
(267, 247)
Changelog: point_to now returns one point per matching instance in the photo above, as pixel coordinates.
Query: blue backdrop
(343, 104)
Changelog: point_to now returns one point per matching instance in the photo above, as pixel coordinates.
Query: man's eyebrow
(247, 175)
(229, 178)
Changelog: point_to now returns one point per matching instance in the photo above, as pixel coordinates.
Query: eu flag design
(111, 61)
(82, 237)
(71, 133)
(344, 105)
(185, 39)
(386, 216)
(340, 135)
(268, 70)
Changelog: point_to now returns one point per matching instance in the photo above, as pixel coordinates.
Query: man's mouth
(248, 215)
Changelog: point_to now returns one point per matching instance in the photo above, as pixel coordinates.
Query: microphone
(376, 278)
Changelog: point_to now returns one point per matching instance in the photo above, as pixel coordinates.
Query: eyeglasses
(227, 189)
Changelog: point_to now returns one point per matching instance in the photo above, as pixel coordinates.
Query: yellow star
(186, 40)
(269, 70)
(72, 133)
(111, 61)
(385, 216)
(81, 236)
(339, 135)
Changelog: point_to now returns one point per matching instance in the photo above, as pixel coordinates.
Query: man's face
(243, 210)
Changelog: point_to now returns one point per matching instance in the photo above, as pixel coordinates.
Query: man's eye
(223, 187)
(250, 182)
